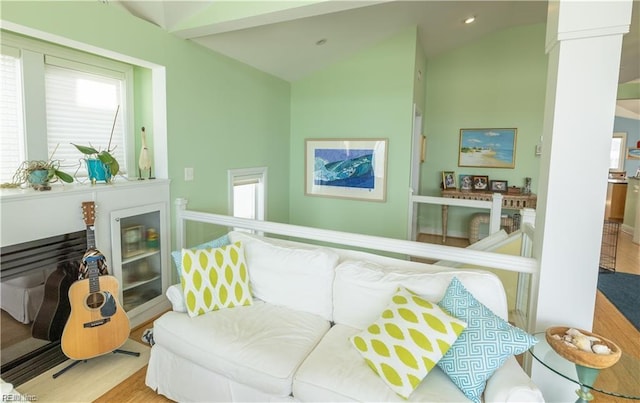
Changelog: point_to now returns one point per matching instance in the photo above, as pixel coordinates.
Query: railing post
(496, 213)
(181, 236)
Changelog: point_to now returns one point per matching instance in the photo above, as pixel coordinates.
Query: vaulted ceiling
(291, 39)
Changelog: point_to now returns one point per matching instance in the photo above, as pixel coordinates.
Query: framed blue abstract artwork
(347, 168)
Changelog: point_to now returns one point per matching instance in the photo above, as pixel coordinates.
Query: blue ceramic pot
(98, 171)
(39, 178)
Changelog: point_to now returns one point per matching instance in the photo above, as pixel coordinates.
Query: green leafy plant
(105, 156)
(53, 168)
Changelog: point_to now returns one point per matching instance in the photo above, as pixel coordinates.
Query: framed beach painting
(346, 168)
(487, 148)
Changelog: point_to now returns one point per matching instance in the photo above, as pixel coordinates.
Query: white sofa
(293, 343)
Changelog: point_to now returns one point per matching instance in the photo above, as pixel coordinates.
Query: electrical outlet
(188, 174)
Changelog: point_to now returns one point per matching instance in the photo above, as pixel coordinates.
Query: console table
(618, 380)
(509, 202)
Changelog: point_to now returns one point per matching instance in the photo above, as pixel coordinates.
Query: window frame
(622, 151)
(259, 174)
(33, 58)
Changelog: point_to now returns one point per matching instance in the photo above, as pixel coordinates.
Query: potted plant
(39, 174)
(101, 164)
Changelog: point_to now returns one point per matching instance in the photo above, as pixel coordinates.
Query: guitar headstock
(88, 212)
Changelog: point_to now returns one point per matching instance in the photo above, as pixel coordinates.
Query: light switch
(188, 174)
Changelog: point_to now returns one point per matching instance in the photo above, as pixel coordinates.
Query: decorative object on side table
(449, 180)
(527, 186)
(589, 352)
(480, 182)
(498, 186)
(101, 165)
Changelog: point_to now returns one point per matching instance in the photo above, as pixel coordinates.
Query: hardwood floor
(608, 322)
(134, 390)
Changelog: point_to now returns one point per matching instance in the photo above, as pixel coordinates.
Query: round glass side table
(622, 379)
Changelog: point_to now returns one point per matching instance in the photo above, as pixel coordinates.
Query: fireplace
(35, 277)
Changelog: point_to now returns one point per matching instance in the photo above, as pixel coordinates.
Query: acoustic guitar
(55, 308)
(97, 324)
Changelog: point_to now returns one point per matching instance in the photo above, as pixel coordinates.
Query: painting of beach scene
(346, 168)
(491, 148)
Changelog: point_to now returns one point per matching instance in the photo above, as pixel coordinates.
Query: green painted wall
(369, 95)
(221, 114)
(497, 81)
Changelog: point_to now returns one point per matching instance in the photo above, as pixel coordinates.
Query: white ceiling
(283, 43)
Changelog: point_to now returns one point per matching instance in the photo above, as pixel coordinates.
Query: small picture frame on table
(498, 186)
(449, 180)
(466, 182)
(480, 183)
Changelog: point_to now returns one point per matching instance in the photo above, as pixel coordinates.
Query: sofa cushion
(260, 345)
(362, 289)
(215, 243)
(407, 340)
(484, 345)
(214, 278)
(336, 372)
(288, 274)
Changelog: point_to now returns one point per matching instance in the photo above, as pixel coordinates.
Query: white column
(584, 40)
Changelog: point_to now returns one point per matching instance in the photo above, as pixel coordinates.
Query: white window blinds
(11, 122)
(81, 102)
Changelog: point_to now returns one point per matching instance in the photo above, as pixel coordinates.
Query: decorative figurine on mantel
(144, 162)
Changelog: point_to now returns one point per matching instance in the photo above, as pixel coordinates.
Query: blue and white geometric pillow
(483, 346)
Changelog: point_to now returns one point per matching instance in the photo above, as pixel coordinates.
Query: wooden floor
(608, 322)
(134, 390)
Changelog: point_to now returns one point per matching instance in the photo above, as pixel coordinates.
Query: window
(11, 128)
(617, 155)
(247, 193)
(69, 97)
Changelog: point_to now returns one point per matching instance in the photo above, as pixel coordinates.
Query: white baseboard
(438, 231)
(627, 229)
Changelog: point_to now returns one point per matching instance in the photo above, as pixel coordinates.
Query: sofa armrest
(511, 384)
(175, 296)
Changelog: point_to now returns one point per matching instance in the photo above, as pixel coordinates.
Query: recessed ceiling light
(469, 20)
(321, 42)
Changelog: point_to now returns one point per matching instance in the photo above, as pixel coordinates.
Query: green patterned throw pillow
(407, 341)
(214, 278)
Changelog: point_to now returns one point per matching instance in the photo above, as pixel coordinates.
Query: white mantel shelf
(28, 214)
(58, 189)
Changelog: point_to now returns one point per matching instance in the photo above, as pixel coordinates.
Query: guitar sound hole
(95, 300)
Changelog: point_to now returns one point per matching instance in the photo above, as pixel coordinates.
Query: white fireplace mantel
(28, 214)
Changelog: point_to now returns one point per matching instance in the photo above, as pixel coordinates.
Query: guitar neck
(93, 273)
(91, 237)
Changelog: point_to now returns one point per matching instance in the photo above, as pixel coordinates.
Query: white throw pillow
(361, 289)
(289, 274)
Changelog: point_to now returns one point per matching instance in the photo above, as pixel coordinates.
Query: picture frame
(449, 180)
(498, 186)
(487, 148)
(346, 168)
(133, 241)
(633, 153)
(480, 183)
(466, 182)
